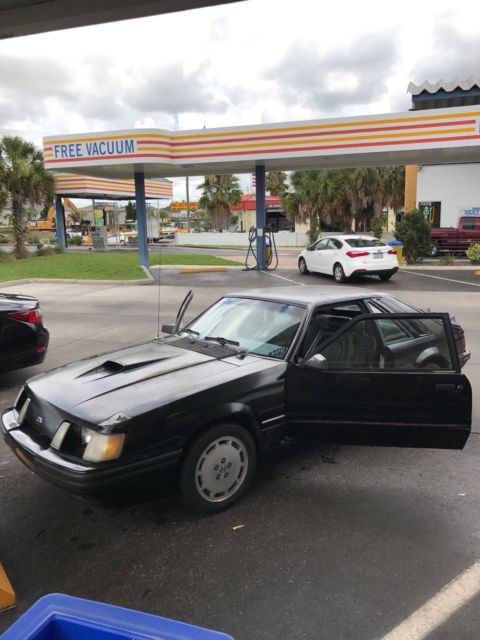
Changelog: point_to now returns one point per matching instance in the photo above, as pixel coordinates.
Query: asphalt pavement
(331, 542)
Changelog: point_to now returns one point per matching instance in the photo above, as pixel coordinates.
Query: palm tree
(275, 182)
(309, 199)
(394, 186)
(23, 178)
(219, 192)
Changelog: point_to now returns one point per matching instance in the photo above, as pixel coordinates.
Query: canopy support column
(141, 217)
(261, 215)
(60, 223)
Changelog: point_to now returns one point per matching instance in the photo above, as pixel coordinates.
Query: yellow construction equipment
(48, 224)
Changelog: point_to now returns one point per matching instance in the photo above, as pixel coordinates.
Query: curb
(198, 268)
(7, 594)
(149, 280)
(203, 269)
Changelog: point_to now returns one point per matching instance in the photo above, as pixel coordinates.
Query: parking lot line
(275, 275)
(438, 609)
(426, 275)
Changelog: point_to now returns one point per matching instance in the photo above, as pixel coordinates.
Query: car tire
(385, 276)
(122, 243)
(302, 266)
(338, 273)
(217, 468)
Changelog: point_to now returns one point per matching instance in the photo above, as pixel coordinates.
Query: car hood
(135, 380)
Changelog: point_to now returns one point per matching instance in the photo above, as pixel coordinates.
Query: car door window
(331, 244)
(324, 322)
(322, 244)
(398, 343)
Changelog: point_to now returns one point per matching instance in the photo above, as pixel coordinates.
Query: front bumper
(77, 477)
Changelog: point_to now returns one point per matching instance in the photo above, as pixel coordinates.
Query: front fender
(227, 412)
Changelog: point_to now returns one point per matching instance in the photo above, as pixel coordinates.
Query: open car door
(383, 379)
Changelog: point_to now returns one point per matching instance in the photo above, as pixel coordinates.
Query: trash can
(398, 246)
(61, 617)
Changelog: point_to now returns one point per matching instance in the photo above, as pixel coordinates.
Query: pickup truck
(457, 238)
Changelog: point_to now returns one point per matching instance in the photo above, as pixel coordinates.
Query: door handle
(447, 388)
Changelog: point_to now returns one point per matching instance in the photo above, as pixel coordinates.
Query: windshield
(364, 242)
(259, 326)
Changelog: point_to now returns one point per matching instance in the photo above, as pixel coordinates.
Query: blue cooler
(60, 617)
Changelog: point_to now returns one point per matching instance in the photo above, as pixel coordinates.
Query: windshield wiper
(190, 331)
(222, 341)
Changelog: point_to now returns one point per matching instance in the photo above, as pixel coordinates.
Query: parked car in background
(116, 239)
(456, 239)
(330, 363)
(23, 336)
(344, 256)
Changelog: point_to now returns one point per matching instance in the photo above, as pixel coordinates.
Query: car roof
(307, 295)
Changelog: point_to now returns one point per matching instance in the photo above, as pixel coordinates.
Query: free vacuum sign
(110, 148)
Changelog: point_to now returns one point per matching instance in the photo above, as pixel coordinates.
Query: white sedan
(116, 239)
(344, 256)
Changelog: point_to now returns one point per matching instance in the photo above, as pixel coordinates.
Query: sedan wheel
(339, 273)
(302, 265)
(385, 276)
(218, 468)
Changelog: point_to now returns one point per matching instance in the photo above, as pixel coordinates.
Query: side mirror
(317, 362)
(311, 248)
(168, 328)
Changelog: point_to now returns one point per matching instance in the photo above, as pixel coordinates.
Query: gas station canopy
(437, 136)
(25, 17)
(78, 186)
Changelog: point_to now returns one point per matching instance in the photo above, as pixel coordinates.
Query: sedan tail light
(392, 252)
(33, 316)
(357, 254)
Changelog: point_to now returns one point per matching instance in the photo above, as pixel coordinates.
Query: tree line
(330, 199)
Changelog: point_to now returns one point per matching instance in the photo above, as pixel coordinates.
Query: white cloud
(256, 61)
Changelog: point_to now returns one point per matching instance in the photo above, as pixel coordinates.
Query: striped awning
(78, 186)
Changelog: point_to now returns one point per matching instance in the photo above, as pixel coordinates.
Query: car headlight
(101, 447)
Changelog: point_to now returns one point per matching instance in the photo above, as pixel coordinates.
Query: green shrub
(473, 252)
(447, 259)
(33, 238)
(5, 240)
(378, 224)
(46, 251)
(75, 241)
(414, 232)
(6, 257)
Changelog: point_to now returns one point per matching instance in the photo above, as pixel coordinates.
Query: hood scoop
(110, 367)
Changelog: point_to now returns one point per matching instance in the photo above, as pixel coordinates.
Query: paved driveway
(338, 542)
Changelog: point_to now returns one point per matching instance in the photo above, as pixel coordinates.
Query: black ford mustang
(23, 338)
(344, 365)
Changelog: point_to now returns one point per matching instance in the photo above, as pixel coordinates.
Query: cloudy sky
(251, 62)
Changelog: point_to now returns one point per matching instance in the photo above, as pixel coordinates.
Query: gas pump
(269, 249)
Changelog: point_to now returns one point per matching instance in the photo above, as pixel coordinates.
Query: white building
(444, 192)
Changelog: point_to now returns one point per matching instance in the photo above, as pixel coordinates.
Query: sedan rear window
(364, 242)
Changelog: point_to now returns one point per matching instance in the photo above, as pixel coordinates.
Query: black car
(342, 365)
(23, 337)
